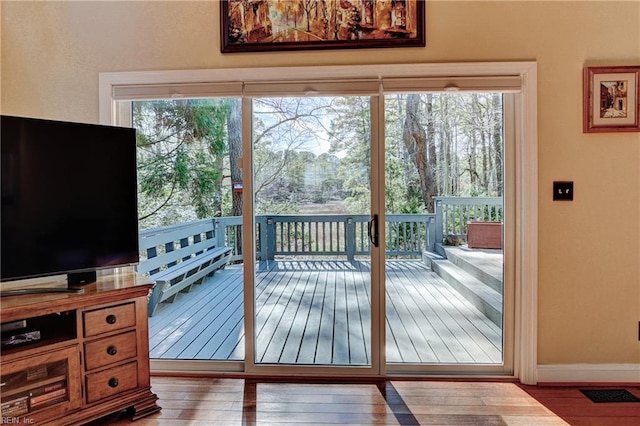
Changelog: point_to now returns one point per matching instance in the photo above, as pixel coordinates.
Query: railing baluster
(432, 234)
(279, 244)
(330, 236)
(295, 235)
(412, 235)
(438, 224)
(406, 236)
(316, 229)
(455, 217)
(287, 234)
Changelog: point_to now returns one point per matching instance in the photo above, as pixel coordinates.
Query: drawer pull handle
(111, 319)
(112, 350)
(113, 382)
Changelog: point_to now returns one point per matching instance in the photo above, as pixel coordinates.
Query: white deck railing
(406, 235)
(453, 214)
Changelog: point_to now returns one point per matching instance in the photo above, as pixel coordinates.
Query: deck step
(484, 298)
(485, 265)
(428, 258)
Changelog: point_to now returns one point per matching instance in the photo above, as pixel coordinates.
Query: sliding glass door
(312, 211)
(345, 203)
(445, 214)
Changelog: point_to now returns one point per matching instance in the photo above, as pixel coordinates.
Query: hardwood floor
(220, 402)
(576, 409)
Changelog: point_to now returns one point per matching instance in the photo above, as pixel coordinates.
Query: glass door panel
(188, 153)
(444, 186)
(312, 203)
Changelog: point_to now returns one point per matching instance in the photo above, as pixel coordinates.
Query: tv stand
(70, 358)
(38, 290)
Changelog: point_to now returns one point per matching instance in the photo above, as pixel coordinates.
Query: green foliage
(350, 136)
(179, 147)
(311, 150)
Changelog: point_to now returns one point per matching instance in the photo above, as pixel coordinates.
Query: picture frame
(276, 25)
(611, 99)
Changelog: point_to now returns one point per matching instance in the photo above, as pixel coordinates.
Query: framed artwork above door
(270, 25)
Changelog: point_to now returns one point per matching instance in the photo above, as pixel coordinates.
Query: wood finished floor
(318, 313)
(222, 402)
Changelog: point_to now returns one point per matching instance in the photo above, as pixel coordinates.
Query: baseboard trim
(589, 373)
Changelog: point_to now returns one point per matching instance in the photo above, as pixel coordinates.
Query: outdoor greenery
(314, 151)
(181, 150)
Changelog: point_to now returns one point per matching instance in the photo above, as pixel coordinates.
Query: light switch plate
(563, 191)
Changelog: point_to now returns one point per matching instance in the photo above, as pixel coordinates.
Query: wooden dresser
(72, 358)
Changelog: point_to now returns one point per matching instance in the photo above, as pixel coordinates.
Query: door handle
(372, 229)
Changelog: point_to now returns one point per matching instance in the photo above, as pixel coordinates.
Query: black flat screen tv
(69, 198)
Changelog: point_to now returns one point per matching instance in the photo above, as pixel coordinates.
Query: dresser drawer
(110, 350)
(109, 319)
(112, 381)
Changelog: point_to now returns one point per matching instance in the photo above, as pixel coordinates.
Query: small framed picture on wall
(611, 99)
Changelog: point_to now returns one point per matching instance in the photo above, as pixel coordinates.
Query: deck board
(318, 313)
(410, 321)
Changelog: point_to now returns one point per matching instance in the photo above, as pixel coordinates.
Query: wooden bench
(178, 257)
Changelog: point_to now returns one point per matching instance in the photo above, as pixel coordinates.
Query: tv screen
(69, 201)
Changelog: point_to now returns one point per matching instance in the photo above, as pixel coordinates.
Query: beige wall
(589, 258)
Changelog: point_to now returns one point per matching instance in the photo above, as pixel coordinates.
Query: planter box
(484, 235)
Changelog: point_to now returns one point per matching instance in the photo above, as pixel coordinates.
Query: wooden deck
(318, 313)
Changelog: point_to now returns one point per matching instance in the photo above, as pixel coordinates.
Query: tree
(415, 141)
(308, 6)
(179, 145)
(350, 137)
(283, 129)
(402, 184)
(497, 141)
(314, 150)
(234, 130)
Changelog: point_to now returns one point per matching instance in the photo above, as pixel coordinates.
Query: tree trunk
(432, 157)
(217, 200)
(415, 141)
(497, 141)
(486, 166)
(443, 169)
(234, 128)
(473, 143)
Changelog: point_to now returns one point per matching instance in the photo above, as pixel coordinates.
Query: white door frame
(376, 367)
(182, 82)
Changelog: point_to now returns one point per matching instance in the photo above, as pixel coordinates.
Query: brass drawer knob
(111, 319)
(112, 350)
(113, 382)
